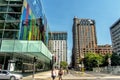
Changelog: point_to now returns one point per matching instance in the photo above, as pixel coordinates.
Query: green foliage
(105, 59)
(63, 64)
(39, 65)
(92, 60)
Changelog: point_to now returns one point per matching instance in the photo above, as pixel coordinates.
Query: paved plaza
(74, 75)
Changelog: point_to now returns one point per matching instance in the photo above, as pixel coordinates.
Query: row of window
(12, 25)
(86, 22)
(11, 2)
(10, 16)
(116, 28)
(9, 34)
(10, 8)
(58, 37)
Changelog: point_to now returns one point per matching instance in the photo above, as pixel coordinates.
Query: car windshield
(4, 72)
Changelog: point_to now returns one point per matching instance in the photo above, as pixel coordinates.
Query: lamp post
(34, 61)
(53, 60)
(82, 65)
(3, 67)
(98, 65)
(109, 64)
(58, 59)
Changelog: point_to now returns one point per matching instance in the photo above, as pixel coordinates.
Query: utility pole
(33, 70)
(109, 64)
(34, 60)
(58, 59)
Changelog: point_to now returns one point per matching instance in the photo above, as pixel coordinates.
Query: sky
(60, 14)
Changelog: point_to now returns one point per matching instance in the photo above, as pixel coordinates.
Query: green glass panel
(7, 46)
(34, 46)
(20, 46)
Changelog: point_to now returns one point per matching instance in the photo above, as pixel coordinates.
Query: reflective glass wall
(33, 22)
(23, 20)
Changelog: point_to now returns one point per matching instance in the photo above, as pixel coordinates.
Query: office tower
(115, 36)
(84, 39)
(23, 35)
(58, 46)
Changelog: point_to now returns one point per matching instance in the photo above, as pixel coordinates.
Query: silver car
(5, 74)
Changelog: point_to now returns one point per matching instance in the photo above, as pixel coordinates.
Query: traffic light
(34, 60)
(55, 58)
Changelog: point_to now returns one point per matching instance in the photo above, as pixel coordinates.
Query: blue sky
(60, 14)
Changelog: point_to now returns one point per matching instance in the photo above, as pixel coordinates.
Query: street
(90, 76)
(75, 75)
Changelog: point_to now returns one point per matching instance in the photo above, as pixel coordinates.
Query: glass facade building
(33, 21)
(23, 33)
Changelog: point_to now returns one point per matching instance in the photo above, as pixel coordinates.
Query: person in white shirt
(53, 73)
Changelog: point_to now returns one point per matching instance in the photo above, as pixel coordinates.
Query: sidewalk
(47, 76)
(81, 76)
(39, 76)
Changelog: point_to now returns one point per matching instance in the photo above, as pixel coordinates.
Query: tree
(92, 60)
(105, 59)
(63, 64)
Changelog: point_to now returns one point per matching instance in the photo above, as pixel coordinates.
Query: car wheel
(12, 78)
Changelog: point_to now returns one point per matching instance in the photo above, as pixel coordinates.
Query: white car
(5, 74)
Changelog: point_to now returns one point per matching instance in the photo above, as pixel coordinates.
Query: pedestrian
(60, 73)
(67, 71)
(53, 73)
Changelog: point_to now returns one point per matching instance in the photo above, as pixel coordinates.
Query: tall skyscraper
(84, 39)
(58, 46)
(115, 36)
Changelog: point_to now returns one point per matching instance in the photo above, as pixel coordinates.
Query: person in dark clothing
(60, 73)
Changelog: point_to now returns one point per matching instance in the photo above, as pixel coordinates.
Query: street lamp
(58, 59)
(98, 65)
(34, 61)
(109, 64)
(82, 66)
(53, 60)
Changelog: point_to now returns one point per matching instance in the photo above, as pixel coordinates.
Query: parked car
(5, 74)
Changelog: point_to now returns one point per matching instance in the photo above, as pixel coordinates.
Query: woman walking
(60, 73)
(53, 73)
